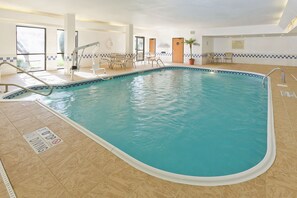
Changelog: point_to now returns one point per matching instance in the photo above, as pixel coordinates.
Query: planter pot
(192, 61)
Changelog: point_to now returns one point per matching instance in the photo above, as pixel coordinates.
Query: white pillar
(69, 41)
(129, 39)
(51, 48)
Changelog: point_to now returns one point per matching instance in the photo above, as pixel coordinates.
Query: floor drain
(6, 181)
(42, 139)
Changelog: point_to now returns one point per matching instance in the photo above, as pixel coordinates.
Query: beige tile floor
(58, 76)
(79, 167)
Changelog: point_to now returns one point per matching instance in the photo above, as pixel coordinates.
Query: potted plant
(191, 42)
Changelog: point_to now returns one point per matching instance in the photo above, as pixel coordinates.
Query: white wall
(258, 50)
(51, 48)
(165, 37)
(118, 41)
(207, 47)
(7, 47)
(243, 30)
(261, 50)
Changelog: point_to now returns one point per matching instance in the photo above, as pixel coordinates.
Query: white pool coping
(249, 174)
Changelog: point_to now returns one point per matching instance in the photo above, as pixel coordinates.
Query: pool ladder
(27, 89)
(158, 61)
(283, 75)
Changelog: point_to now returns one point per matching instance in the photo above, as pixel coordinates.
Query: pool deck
(79, 167)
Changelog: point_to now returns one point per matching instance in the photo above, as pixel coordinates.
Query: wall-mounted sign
(238, 44)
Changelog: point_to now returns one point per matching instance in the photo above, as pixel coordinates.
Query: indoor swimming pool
(181, 124)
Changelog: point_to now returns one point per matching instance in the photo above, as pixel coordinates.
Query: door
(139, 48)
(152, 46)
(178, 50)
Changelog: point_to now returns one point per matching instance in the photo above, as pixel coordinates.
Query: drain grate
(289, 94)
(42, 139)
(6, 181)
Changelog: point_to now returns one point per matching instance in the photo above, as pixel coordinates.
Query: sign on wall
(238, 44)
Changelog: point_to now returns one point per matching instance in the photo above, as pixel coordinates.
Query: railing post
(6, 88)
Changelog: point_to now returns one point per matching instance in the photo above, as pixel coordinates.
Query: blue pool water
(187, 122)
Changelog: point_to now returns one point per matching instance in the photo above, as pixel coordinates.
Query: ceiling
(163, 13)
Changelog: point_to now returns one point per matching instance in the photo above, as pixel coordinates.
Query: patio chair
(210, 57)
(228, 56)
(118, 61)
(151, 57)
(130, 61)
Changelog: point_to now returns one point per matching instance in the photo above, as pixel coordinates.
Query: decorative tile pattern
(260, 56)
(8, 59)
(68, 58)
(194, 55)
(51, 58)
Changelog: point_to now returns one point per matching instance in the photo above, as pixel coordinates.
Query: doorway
(152, 46)
(139, 48)
(178, 50)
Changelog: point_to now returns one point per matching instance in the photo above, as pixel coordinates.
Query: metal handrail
(283, 76)
(160, 61)
(27, 89)
(157, 60)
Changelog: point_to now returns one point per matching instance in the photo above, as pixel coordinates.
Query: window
(30, 46)
(60, 47)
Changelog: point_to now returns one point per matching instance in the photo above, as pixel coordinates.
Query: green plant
(191, 42)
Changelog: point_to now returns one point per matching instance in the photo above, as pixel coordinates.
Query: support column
(51, 49)
(69, 41)
(129, 39)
